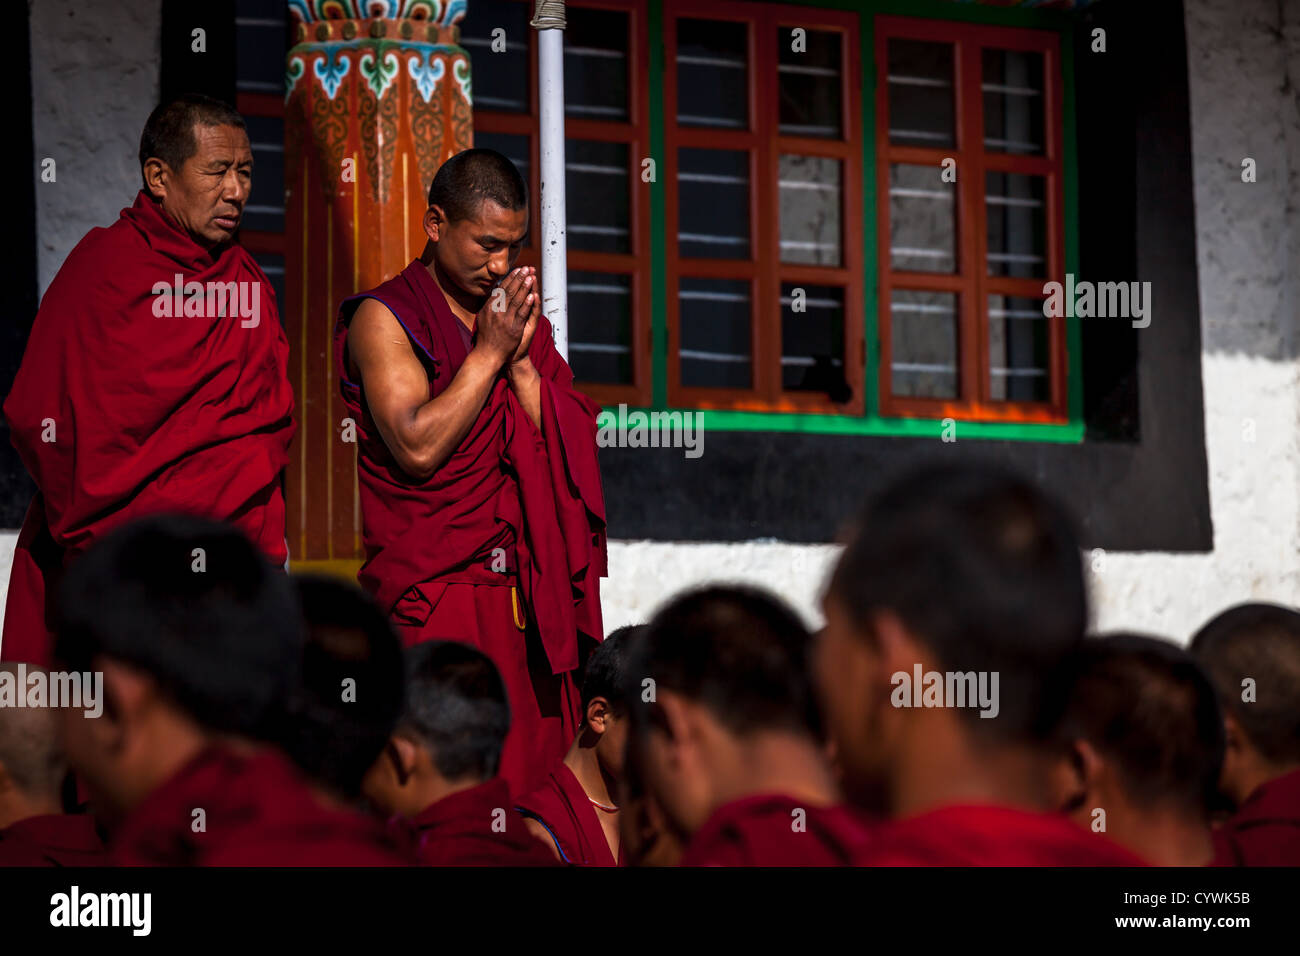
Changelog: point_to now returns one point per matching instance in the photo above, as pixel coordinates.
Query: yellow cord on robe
(521, 619)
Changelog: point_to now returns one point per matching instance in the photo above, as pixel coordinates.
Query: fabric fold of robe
(122, 407)
(564, 809)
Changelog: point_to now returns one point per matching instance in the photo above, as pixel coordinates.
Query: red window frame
(635, 132)
(971, 282)
(764, 270)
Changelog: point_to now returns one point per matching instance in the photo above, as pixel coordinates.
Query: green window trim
(872, 423)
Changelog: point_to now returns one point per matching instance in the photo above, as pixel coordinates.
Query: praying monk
(34, 830)
(1252, 654)
(197, 665)
(154, 378)
(1140, 748)
(729, 745)
(969, 581)
(576, 812)
(482, 511)
(437, 779)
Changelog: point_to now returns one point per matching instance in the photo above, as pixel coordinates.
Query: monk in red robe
(482, 511)
(199, 642)
(154, 377)
(1141, 746)
(727, 736)
(576, 812)
(34, 830)
(437, 779)
(1252, 654)
(952, 609)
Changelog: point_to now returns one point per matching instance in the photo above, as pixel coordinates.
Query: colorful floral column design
(377, 96)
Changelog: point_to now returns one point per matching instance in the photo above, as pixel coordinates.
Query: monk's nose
(499, 264)
(235, 188)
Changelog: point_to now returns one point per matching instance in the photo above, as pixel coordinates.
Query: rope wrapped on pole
(548, 15)
(549, 21)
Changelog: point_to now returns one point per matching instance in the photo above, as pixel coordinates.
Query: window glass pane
(921, 94)
(716, 345)
(600, 327)
(260, 45)
(513, 147)
(812, 340)
(502, 80)
(595, 64)
(265, 206)
(810, 210)
(922, 220)
(923, 329)
(713, 203)
(712, 74)
(1013, 101)
(1017, 225)
(1018, 350)
(598, 197)
(273, 266)
(809, 83)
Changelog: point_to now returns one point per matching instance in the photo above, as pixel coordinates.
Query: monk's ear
(127, 695)
(435, 223)
(1068, 777)
(155, 177)
(598, 712)
(897, 649)
(403, 753)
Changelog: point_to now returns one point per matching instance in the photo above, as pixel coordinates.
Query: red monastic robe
(1265, 830)
(563, 807)
(476, 827)
(503, 547)
(119, 411)
(990, 836)
(761, 831)
(52, 840)
(257, 811)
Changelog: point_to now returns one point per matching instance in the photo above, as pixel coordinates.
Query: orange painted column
(373, 107)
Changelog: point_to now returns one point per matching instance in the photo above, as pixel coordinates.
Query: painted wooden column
(377, 97)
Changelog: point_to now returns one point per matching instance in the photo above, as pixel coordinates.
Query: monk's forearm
(440, 424)
(526, 383)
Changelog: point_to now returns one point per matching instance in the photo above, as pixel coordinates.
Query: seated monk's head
(32, 765)
(198, 639)
(957, 596)
(352, 684)
(1252, 654)
(732, 713)
(450, 735)
(196, 162)
(1141, 744)
(476, 223)
(604, 703)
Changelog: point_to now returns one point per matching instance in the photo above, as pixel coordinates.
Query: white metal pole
(549, 21)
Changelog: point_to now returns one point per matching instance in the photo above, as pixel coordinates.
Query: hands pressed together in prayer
(508, 319)
(506, 325)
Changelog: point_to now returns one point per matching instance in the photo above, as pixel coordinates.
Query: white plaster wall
(94, 83)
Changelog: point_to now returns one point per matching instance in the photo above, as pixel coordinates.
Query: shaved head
(29, 747)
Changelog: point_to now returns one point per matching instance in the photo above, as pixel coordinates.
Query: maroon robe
(503, 547)
(150, 413)
(563, 807)
(55, 839)
(476, 827)
(760, 831)
(258, 812)
(1265, 830)
(990, 836)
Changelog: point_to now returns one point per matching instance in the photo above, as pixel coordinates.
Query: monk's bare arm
(421, 432)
